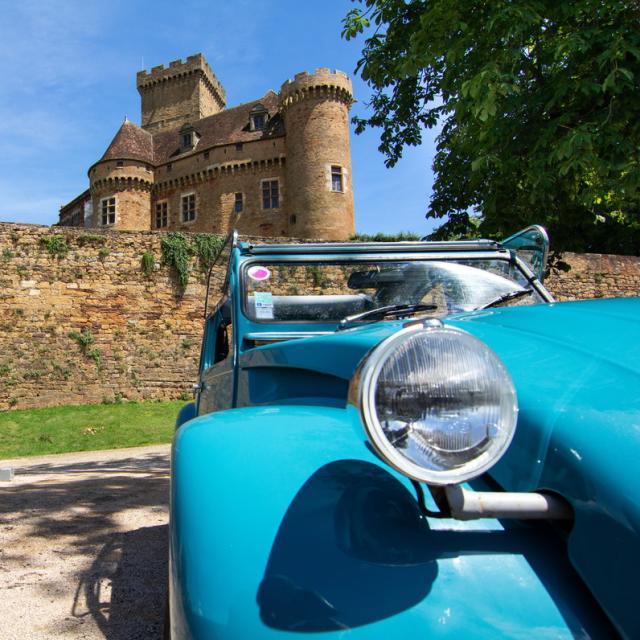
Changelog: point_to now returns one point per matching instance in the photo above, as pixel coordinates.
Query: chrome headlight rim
(363, 391)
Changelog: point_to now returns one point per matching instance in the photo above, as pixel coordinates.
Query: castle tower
(319, 188)
(120, 182)
(179, 94)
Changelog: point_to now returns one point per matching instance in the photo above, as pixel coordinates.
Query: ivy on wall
(148, 263)
(177, 252)
(56, 245)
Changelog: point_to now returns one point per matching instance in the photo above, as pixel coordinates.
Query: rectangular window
(162, 214)
(108, 211)
(120, 163)
(258, 121)
(186, 140)
(270, 194)
(168, 167)
(189, 207)
(239, 204)
(206, 155)
(336, 178)
(238, 146)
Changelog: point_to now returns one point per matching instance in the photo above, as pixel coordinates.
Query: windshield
(330, 291)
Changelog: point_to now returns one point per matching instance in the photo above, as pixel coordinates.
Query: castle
(282, 161)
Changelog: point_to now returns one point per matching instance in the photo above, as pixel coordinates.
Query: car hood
(576, 368)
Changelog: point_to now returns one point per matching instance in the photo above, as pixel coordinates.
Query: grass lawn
(85, 428)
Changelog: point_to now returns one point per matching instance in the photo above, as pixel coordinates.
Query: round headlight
(438, 404)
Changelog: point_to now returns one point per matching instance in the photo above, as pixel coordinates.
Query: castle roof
(226, 127)
(131, 143)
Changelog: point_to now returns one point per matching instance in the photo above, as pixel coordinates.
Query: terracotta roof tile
(131, 142)
(227, 127)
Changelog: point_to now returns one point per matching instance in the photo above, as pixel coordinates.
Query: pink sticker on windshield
(258, 273)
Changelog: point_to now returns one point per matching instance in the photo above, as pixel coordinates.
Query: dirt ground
(83, 545)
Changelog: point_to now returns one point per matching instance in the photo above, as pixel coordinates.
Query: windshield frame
(328, 257)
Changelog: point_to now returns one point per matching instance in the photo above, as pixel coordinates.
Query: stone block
(6, 474)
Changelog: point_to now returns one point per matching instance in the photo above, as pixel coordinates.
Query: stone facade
(78, 212)
(314, 107)
(278, 166)
(80, 321)
(593, 275)
(134, 337)
(182, 93)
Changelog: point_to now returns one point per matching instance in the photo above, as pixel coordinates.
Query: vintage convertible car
(407, 440)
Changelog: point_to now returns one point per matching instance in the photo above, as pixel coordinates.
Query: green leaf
(535, 103)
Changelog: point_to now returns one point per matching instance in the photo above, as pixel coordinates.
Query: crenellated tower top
(315, 110)
(323, 83)
(179, 93)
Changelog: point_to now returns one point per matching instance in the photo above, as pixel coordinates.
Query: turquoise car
(407, 440)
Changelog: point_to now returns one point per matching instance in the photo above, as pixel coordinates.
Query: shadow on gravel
(86, 508)
(83, 519)
(137, 464)
(125, 589)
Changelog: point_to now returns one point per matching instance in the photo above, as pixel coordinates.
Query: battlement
(336, 84)
(182, 92)
(195, 64)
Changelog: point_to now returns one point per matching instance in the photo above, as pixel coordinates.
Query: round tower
(319, 194)
(120, 182)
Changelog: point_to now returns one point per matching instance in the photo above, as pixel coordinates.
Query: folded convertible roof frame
(372, 247)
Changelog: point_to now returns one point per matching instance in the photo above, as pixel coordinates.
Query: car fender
(188, 412)
(293, 524)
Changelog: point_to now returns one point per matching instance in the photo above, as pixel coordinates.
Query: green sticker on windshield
(264, 305)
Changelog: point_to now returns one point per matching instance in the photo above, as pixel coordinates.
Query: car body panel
(284, 520)
(579, 429)
(188, 412)
(313, 534)
(313, 370)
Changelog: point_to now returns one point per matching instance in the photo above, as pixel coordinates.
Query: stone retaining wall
(90, 326)
(594, 275)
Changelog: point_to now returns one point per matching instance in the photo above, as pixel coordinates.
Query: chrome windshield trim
(533, 280)
(374, 247)
(497, 254)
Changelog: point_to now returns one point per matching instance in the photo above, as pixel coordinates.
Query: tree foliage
(538, 103)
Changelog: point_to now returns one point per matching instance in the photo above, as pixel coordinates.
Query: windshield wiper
(512, 295)
(397, 310)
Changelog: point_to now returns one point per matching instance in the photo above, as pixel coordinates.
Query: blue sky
(69, 79)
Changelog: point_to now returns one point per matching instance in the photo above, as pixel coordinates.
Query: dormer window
(258, 117)
(188, 138)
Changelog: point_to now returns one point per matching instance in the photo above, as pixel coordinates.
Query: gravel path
(83, 545)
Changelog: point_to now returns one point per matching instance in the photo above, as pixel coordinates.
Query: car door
(215, 390)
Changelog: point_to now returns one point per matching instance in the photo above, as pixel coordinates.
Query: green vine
(85, 339)
(148, 263)
(55, 245)
(177, 252)
(207, 246)
(91, 238)
(317, 276)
